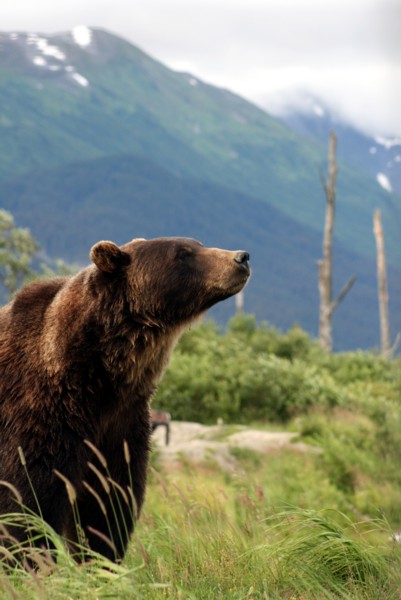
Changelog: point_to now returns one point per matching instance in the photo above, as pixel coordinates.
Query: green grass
(214, 536)
(205, 534)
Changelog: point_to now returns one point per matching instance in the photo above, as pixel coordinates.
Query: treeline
(252, 372)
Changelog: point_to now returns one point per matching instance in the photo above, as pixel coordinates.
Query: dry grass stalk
(120, 489)
(101, 477)
(72, 495)
(96, 496)
(127, 454)
(103, 537)
(21, 456)
(97, 452)
(13, 489)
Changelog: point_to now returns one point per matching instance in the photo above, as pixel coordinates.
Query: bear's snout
(242, 259)
(236, 273)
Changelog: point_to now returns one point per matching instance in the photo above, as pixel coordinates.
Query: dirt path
(198, 442)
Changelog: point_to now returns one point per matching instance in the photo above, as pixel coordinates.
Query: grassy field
(275, 527)
(302, 522)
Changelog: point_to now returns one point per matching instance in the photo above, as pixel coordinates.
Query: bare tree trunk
(382, 284)
(239, 303)
(325, 265)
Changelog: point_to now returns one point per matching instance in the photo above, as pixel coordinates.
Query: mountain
(101, 141)
(377, 156)
(283, 252)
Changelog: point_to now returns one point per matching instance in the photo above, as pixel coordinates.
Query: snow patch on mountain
(82, 35)
(388, 142)
(375, 156)
(384, 182)
(43, 46)
(48, 57)
(39, 61)
(80, 79)
(318, 110)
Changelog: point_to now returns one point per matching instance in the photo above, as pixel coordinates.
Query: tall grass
(205, 534)
(198, 542)
(192, 543)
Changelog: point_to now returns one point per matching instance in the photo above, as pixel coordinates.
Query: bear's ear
(108, 257)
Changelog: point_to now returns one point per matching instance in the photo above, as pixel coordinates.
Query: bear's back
(26, 311)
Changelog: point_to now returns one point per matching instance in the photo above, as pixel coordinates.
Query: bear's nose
(242, 258)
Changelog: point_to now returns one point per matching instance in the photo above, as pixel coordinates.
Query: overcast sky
(347, 51)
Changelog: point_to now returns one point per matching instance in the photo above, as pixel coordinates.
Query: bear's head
(171, 280)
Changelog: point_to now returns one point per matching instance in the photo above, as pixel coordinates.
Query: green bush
(247, 373)
(197, 388)
(358, 366)
(273, 388)
(254, 371)
(266, 339)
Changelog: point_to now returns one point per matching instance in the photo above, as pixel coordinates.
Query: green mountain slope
(110, 98)
(102, 141)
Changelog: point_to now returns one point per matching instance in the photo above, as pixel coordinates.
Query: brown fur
(80, 359)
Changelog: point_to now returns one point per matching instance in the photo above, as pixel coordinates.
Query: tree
(239, 303)
(382, 284)
(17, 249)
(325, 265)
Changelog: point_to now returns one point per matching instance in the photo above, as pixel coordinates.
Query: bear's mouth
(246, 270)
(240, 282)
(232, 277)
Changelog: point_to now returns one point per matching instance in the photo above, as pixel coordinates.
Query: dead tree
(239, 303)
(325, 265)
(382, 285)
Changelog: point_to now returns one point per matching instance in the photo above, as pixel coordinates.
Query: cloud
(371, 101)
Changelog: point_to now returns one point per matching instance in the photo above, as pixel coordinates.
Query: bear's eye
(185, 252)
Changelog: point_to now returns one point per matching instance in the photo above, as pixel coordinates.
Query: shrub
(256, 372)
(358, 366)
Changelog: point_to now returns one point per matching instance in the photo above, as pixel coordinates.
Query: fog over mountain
(376, 155)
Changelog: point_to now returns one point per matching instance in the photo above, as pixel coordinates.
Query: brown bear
(80, 359)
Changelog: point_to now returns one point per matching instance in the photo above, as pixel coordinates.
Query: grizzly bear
(80, 359)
